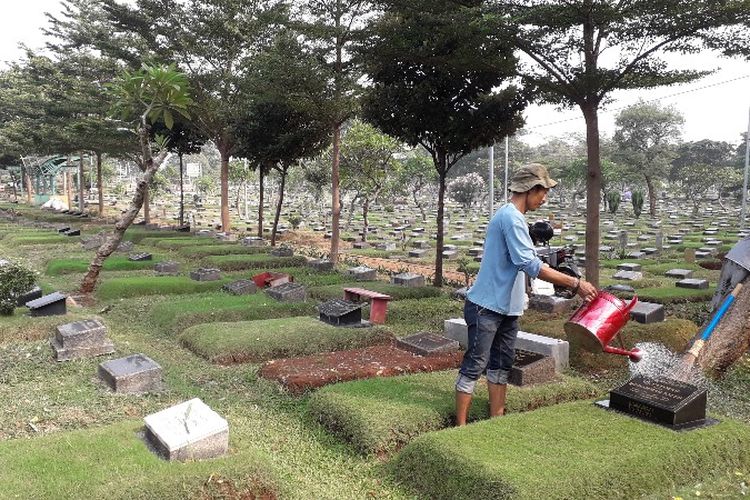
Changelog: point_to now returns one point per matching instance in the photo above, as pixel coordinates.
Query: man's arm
(583, 288)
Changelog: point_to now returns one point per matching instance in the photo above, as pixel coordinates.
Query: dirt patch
(225, 488)
(298, 375)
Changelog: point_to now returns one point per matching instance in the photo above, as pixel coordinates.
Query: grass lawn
(120, 288)
(242, 262)
(397, 292)
(23, 328)
(176, 315)
(255, 341)
(113, 263)
(199, 251)
(573, 450)
(382, 414)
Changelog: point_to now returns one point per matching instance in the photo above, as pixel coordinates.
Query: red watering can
(594, 325)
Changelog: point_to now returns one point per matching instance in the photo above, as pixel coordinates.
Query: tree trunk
(593, 188)
(365, 209)
(261, 191)
(224, 152)
(282, 184)
(27, 181)
(419, 206)
(182, 192)
(146, 205)
(81, 184)
(335, 195)
(237, 203)
(442, 171)
(15, 190)
(651, 195)
(69, 188)
(350, 212)
(100, 183)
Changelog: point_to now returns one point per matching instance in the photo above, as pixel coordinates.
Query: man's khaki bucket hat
(528, 176)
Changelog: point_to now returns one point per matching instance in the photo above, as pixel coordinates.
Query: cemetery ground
(64, 434)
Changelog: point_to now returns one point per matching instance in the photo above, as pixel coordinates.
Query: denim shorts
(492, 338)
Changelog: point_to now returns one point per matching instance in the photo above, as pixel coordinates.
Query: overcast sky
(715, 107)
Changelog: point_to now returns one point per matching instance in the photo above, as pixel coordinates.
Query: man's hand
(586, 291)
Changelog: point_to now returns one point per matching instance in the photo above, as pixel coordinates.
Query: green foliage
(637, 200)
(613, 201)
(119, 288)
(466, 189)
(541, 447)
(15, 280)
(295, 221)
(380, 415)
(253, 341)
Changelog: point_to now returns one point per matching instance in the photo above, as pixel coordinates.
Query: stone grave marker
(168, 267)
(81, 339)
(647, 312)
(125, 247)
(360, 245)
(340, 312)
(52, 304)
(188, 431)
(417, 253)
(679, 273)
(531, 368)
(252, 241)
(288, 292)
(628, 266)
(408, 279)
(426, 344)
(628, 275)
(140, 257)
(660, 400)
(321, 265)
(33, 294)
(282, 251)
(696, 284)
(636, 255)
(549, 303)
(362, 273)
(241, 287)
(450, 254)
(135, 374)
(64, 229)
(205, 274)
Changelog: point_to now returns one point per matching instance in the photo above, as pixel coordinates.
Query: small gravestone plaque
(282, 252)
(628, 266)
(628, 275)
(409, 279)
(52, 304)
(531, 368)
(321, 265)
(362, 273)
(188, 431)
(167, 268)
(140, 257)
(240, 287)
(73, 232)
(664, 401)
(549, 303)
(81, 339)
(647, 312)
(288, 292)
(204, 274)
(136, 374)
(252, 241)
(426, 344)
(696, 284)
(417, 253)
(339, 312)
(679, 273)
(64, 229)
(33, 294)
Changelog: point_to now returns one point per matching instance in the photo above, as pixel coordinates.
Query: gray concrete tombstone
(531, 368)
(288, 292)
(426, 344)
(628, 275)
(629, 266)
(549, 303)
(417, 253)
(205, 274)
(188, 431)
(81, 339)
(321, 265)
(362, 273)
(696, 284)
(679, 273)
(241, 287)
(135, 374)
(168, 267)
(408, 279)
(647, 312)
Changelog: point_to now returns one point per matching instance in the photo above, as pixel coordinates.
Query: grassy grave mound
(674, 333)
(573, 450)
(254, 341)
(201, 251)
(397, 292)
(177, 315)
(177, 243)
(114, 263)
(134, 286)
(136, 234)
(429, 314)
(674, 295)
(114, 462)
(243, 262)
(22, 328)
(51, 239)
(380, 415)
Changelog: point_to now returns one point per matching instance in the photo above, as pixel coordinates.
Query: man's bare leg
(497, 398)
(463, 402)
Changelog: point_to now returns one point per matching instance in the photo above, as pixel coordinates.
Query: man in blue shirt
(496, 299)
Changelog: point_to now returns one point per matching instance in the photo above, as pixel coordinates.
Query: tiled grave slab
(408, 279)
(693, 283)
(205, 274)
(135, 374)
(629, 266)
(427, 344)
(167, 267)
(362, 273)
(288, 292)
(628, 275)
(679, 273)
(531, 368)
(558, 350)
(240, 287)
(340, 312)
(188, 431)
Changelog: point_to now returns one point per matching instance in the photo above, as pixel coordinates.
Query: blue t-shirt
(508, 251)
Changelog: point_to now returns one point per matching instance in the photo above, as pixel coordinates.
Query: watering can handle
(632, 303)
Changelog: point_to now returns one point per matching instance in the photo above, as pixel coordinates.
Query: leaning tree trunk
(651, 195)
(182, 192)
(225, 222)
(261, 191)
(15, 190)
(593, 187)
(335, 195)
(146, 206)
(99, 183)
(27, 181)
(419, 206)
(282, 184)
(365, 210)
(442, 171)
(81, 184)
(69, 188)
(731, 338)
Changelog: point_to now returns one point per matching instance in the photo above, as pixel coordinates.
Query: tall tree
(646, 137)
(415, 175)
(143, 97)
(331, 28)
(568, 45)
(439, 81)
(699, 166)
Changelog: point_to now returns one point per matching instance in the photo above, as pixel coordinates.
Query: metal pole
(505, 184)
(492, 181)
(744, 185)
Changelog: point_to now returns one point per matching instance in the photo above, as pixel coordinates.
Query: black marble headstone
(33, 294)
(48, 305)
(340, 312)
(661, 400)
(73, 232)
(64, 229)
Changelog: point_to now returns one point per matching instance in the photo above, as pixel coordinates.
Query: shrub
(637, 200)
(14, 281)
(380, 415)
(613, 201)
(558, 452)
(254, 341)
